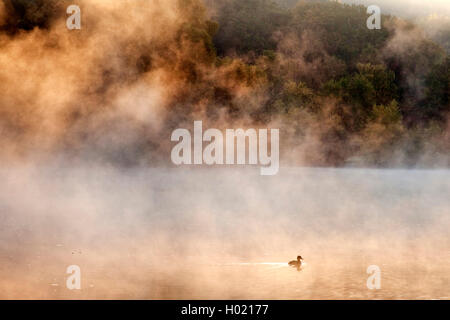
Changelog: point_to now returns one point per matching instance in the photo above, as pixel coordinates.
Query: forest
(381, 97)
(341, 94)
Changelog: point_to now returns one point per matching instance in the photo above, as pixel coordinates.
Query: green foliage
(200, 34)
(248, 25)
(342, 28)
(358, 90)
(197, 29)
(383, 134)
(437, 103)
(382, 80)
(371, 85)
(412, 62)
(363, 93)
(387, 114)
(294, 95)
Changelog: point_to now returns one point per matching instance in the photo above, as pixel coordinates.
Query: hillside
(113, 92)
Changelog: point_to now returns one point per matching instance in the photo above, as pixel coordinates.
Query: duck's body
(296, 263)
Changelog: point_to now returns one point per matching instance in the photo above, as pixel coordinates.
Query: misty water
(224, 233)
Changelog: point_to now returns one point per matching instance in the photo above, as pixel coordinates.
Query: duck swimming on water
(296, 263)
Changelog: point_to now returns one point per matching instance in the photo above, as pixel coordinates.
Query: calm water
(224, 233)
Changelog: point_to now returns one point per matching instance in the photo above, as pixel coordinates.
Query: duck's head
(299, 258)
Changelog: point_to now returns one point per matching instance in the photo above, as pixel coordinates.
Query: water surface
(224, 233)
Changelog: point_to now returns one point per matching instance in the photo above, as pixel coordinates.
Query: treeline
(376, 97)
(339, 93)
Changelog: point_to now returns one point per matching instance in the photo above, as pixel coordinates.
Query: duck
(296, 263)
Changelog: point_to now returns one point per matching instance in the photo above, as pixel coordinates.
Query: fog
(112, 92)
(86, 177)
(224, 233)
(408, 8)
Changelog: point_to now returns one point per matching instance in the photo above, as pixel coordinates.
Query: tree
(437, 104)
(248, 25)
